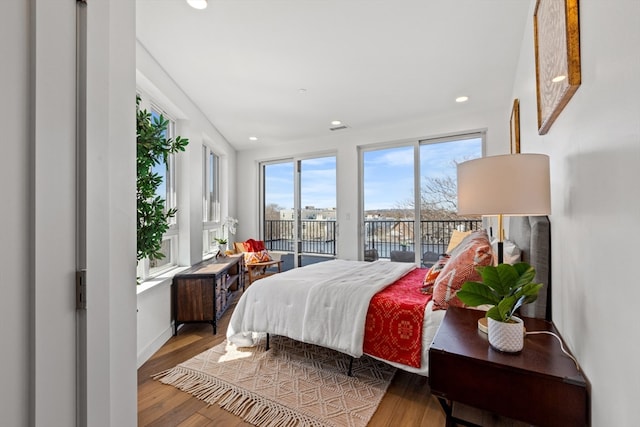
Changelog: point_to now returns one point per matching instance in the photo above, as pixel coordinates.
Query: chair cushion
(256, 257)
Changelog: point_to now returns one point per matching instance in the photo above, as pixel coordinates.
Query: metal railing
(319, 236)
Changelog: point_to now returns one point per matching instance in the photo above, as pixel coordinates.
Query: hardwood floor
(408, 401)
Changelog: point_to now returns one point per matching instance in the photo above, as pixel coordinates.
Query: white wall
(154, 299)
(594, 147)
(345, 146)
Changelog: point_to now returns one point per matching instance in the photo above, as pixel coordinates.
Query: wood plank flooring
(408, 401)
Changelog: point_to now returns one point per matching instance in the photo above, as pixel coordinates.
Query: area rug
(292, 384)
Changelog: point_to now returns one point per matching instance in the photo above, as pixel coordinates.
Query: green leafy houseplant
(152, 148)
(506, 287)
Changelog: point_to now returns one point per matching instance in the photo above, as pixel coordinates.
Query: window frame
(211, 195)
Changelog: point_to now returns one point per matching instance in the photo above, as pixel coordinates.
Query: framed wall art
(515, 127)
(557, 51)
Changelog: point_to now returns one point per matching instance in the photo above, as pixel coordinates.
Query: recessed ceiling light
(336, 122)
(253, 138)
(557, 79)
(198, 4)
(462, 99)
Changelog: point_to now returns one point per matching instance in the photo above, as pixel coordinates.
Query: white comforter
(324, 304)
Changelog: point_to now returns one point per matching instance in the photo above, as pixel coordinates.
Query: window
(210, 199)
(299, 207)
(397, 217)
(168, 191)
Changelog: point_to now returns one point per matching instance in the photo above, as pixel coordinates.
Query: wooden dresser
(203, 292)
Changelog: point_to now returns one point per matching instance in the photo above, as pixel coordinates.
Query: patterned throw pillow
(255, 257)
(473, 251)
(432, 275)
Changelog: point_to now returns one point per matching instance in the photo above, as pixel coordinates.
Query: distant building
(310, 213)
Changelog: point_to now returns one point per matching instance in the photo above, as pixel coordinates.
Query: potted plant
(230, 223)
(222, 246)
(506, 287)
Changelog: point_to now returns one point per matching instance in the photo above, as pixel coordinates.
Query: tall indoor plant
(506, 287)
(153, 147)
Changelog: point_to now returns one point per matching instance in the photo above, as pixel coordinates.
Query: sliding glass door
(403, 224)
(299, 209)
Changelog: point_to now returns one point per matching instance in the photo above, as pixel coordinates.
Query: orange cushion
(255, 257)
(472, 252)
(432, 275)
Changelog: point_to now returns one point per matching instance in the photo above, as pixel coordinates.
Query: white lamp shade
(512, 184)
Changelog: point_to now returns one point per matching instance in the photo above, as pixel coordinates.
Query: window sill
(163, 279)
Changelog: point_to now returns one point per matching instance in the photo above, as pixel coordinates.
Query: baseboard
(154, 346)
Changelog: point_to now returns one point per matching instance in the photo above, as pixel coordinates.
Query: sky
(388, 175)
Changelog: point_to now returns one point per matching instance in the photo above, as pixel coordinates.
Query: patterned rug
(292, 384)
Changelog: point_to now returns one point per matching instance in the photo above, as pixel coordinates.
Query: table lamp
(511, 184)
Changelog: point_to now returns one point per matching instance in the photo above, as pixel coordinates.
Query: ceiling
(282, 70)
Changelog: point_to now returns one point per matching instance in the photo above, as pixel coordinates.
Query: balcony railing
(319, 237)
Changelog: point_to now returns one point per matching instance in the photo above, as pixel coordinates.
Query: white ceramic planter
(222, 247)
(508, 337)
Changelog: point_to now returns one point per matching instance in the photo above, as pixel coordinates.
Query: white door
(68, 367)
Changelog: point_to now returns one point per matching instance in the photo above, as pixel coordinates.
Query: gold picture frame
(514, 132)
(557, 51)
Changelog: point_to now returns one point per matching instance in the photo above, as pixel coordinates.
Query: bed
(330, 303)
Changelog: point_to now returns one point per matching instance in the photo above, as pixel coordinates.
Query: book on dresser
(203, 292)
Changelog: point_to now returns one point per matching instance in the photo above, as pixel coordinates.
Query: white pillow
(512, 253)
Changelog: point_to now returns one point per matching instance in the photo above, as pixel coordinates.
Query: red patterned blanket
(393, 329)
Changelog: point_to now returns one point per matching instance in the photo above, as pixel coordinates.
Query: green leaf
(508, 286)
(474, 294)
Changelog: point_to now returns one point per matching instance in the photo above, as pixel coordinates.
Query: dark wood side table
(203, 292)
(540, 385)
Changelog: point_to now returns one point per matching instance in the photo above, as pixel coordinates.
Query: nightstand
(540, 385)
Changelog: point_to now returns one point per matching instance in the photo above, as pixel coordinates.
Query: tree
(272, 211)
(152, 148)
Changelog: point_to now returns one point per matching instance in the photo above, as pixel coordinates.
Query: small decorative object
(222, 247)
(557, 51)
(515, 127)
(230, 224)
(506, 287)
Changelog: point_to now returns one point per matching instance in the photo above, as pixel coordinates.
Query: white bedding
(324, 304)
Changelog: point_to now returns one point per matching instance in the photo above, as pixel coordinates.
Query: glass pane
(278, 206)
(438, 193)
(318, 206)
(388, 201)
(164, 262)
(162, 170)
(214, 187)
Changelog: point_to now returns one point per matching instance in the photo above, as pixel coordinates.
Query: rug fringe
(252, 408)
